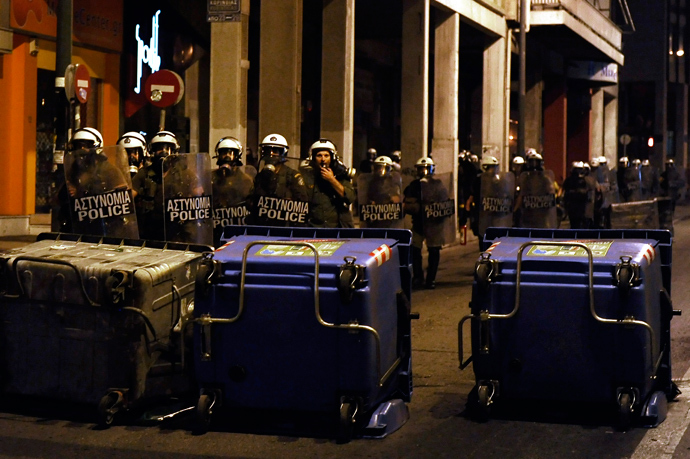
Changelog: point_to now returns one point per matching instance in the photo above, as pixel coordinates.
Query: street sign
(224, 11)
(77, 83)
(82, 83)
(625, 139)
(164, 88)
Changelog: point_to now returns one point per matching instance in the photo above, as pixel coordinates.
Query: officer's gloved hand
(267, 180)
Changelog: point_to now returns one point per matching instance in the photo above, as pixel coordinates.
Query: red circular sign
(82, 83)
(164, 88)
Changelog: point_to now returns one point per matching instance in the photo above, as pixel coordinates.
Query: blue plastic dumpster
(307, 320)
(573, 315)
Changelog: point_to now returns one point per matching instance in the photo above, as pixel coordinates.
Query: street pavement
(438, 427)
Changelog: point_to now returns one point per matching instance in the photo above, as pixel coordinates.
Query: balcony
(578, 30)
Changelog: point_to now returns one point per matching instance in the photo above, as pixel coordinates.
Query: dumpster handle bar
(54, 262)
(317, 309)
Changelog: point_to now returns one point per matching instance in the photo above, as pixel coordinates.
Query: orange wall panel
(17, 128)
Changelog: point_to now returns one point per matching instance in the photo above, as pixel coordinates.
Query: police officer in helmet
(135, 145)
(277, 179)
(418, 196)
(231, 187)
(331, 192)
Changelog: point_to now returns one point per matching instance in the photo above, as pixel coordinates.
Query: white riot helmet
(382, 165)
(133, 140)
(488, 161)
(273, 145)
(535, 161)
(229, 151)
(425, 166)
(85, 138)
(323, 145)
(624, 161)
(578, 168)
(646, 163)
(371, 154)
(594, 163)
(396, 156)
(518, 160)
(162, 140)
(603, 161)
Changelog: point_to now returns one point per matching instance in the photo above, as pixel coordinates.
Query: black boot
(432, 269)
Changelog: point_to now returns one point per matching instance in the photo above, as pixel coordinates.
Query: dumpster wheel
(485, 393)
(346, 425)
(202, 414)
(625, 410)
(110, 404)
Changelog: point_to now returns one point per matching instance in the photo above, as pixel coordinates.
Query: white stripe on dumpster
(661, 442)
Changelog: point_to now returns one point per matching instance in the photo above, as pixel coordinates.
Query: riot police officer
(150, 190)
(379, 196)
(536, 200)
(649, 179)
(672, 182)
(629, 180)
(367, 164)
(135, 145)
(494, 193)
(280, 195)
(426, 199)
(579, 197)
(331, 192)
(231, 187)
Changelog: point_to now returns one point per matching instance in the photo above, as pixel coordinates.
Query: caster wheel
(625, 412)
(202, 414)
(346, 425)
(107, 407)
(484, 394)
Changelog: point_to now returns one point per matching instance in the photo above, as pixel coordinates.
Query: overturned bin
(96, 320)
(307, 320)
(573, 316)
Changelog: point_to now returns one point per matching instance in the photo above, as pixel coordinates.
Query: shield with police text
(437, 208)
(280, 195)
(187, 199)
(231, 189)
(380, 200)
(100, 192)
(537, 200)
(496, 200)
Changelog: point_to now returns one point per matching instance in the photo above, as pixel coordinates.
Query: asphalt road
(438, 425)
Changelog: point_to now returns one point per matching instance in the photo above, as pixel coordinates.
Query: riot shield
(496, 200)
(100, 192)
(380, 201)
(538, 200)
(607, 184)
(635, 215)
(187, 201)
(649, 179)
(280, 195)
(665, 206)
(231, 188)
(631, 188)
(437, 208)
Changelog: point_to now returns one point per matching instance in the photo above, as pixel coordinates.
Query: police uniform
(327, 209)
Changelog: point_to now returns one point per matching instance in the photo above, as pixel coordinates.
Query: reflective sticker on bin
(325, 248)
(224, 245)
(381, 254)
(493, 246)
(598, 248)
(648, 253)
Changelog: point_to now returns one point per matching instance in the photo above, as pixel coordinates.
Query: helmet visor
(273, 150)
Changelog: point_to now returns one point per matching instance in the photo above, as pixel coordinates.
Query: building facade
(424, 77)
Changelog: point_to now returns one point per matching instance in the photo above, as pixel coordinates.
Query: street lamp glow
(680, 53)
(650, 142)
